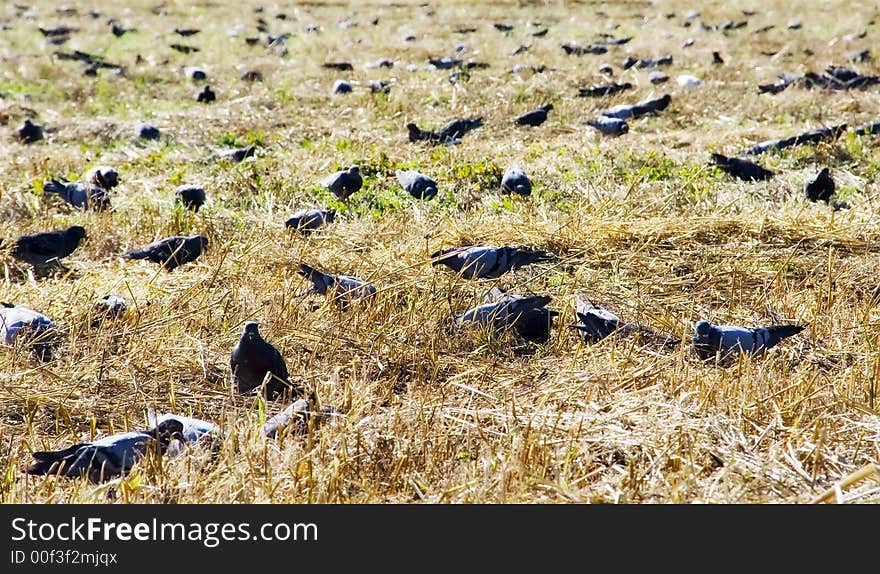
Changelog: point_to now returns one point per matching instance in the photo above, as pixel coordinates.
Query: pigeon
(295, 416)
(186, 31)
(741, 168)
(171, 252)
(253, 358)
(195, 73)
(486, 262)
(19, 321)
(252, 76)
(516, 181)
(344, 288)
(307, 220)
(603, 90)
(79, 194)
(594, 321)
(206, 95)
(115, 455)
(534, 117)
(658, 77)
(417, 184)
(379, 87)
(344, 183)
(728, 341)
(821, 188)
(609, 126)
(342, 87)
(51, 246)
(418, 134)
(109, 307)
(238, 154)
(535, 324)
(508, 310)
(147, 131)
(456, 129)
(626, 111)
(190, 196)
(30, 132)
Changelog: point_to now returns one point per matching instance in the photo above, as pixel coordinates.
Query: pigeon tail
(777, 333)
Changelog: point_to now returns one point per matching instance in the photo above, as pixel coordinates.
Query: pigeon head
(251, 330)
(103, 176)
(624, 128)
(354, 170)
(702, 330)
(203, 241)
(76, 232)
(547, 107)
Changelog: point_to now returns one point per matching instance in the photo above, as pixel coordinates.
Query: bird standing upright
(253, 358)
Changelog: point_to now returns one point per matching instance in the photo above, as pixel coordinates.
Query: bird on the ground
(190, 196)
(516, 181)
(728, 341)
(253, 359)
(534, 117)
(30, 132)
(486, 262)
(48, 247)
(295, 418)
(206, 95)
(507, 310)
(237, 154)
(450, 133)
(343, 288)
(595, 322)
(609, 126)
(741, 168)
(821, 188)
(147, 131)
(115, 455)
(417, 184)
(90, 193)
(108, 307)
(344, 183)
(307, 220)
(19, 321)
(604, 89)
(626, 111)
(171, 252)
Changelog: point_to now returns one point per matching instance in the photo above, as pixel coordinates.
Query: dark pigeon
(821, 188)
(535, 324)
(344, 183)
(206, 95)
(808, 137)
(252, 76)
(609, 126)
(534, 117)
(417, 184)
(115, 455)
(253, 359)
(195, 73)
(342, 66)
(184, 49)
(171, 252)
(147, 131)
(456, 129)
(30, 132)
(486, 262)
(238, 154)
(415, 133)
(603, 90)
(51, 246)
(574, 50)
(379, 87)
(444, 63)
(343, 288)
(741, 168)
(342, 87)
(190, 196)
(728, 341)
(516, 181)
(307, 220)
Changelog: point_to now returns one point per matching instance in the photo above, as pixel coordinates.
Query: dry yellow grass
(428, 414)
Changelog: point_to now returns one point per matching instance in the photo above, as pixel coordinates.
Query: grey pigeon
(658, 77)
(508, 310)
(626, 111)
(741, 168)
(253, 358)
(30, 132)
(609, 126)
(171, 252)
(344, 183)
(379, 87)
(728, 341)
(147, 131)
(295, 418)
(190, 196)
(344, 288)
(51, 246)
(516, 181)
(534, 117)
(308, 220)
(486, 262)
(417, 184)
(19, 321)
(594, 321)
(115, 455)
(821, 188)
(79, 194)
